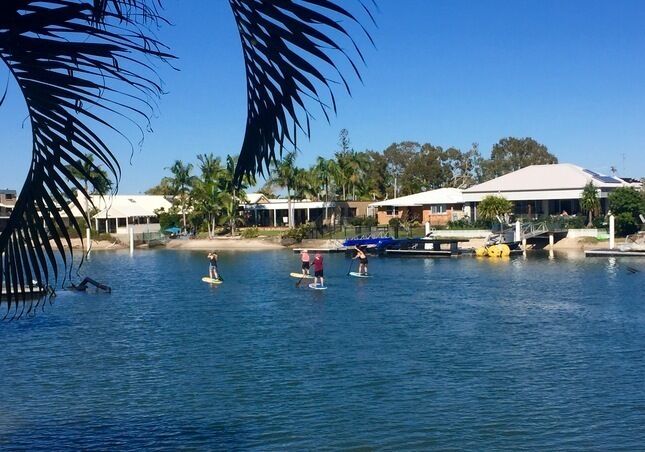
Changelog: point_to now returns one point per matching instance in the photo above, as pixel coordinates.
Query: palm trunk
(87, 204)
(289, 218)
(590, 224)
(326, 199)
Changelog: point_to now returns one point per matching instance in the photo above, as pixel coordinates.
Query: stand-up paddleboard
(206, 279)
(360, 275)
(317, 287)
(300, 275)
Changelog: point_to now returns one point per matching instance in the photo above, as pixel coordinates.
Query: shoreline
(261, 244)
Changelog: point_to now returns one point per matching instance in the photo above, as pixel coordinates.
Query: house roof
(560, 176)
(255, 198)
(439, 196)
(122, 206)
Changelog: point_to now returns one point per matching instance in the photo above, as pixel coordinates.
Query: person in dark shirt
(212, 265)
(362, 260)
(318, 270)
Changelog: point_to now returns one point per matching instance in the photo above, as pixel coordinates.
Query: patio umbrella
(173, 230)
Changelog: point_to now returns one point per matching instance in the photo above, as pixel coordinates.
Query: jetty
(614, 253)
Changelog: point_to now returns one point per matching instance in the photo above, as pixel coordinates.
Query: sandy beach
(97, 245)
(225, 243)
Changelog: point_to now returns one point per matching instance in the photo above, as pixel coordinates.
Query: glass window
(392, 210)
(438, 208)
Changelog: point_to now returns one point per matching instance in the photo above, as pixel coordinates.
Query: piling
(131, 240)
(88, 239)
(612, 232)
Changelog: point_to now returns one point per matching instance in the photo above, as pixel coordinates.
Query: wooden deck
(420, 253)
(613, 253)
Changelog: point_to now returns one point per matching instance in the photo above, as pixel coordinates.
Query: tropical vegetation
(87, 70)
(627, 204)
(494, 207)
(589, 202)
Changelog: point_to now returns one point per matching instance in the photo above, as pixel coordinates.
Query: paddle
(351, 263)
(300, 280)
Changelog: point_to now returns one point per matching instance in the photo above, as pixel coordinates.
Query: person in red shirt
(304, 258)
(318, 270)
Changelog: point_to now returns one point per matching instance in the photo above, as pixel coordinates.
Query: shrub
(250, 233)
(625, 224)
(493, 206)
(626, 203)
(574, 222)
(467, 223)
(395, 222)
(370, 222)
(298, 233)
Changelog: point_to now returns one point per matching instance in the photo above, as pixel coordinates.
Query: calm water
(431, 354)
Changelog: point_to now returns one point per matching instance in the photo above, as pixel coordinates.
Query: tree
(511, 154)
(426, 170)
(626, 203)
(284, 176)
(181, 183)
(465, 168)
(377, 179)
(82, 66)
(399, 156)
(232, 193)
(207, 194)
(589, 202)
(492, 207)
(163, 188)
(88, 172)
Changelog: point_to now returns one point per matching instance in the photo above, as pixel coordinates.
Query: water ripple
(471, 354)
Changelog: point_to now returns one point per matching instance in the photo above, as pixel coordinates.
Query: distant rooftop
(439, 196)
(559, 176)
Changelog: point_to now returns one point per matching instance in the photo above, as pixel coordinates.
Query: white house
(263, 211)
(120, 212)
(539, 190)
(436, 206)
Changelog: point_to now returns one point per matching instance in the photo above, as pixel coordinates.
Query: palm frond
(293, 49)
(77, 78)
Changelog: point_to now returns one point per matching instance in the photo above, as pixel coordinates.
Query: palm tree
(207, 194)
(232, 193)
(182, 183)
(83, 66)
(324, 170)
(492, 207)
(589, 201)
(89, 173)
(284, 176)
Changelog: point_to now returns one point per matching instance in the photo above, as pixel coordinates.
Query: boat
(369, 241)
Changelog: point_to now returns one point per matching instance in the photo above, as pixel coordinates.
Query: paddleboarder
(212, 265)
(362, 260)
(304, 258)
(318, 270)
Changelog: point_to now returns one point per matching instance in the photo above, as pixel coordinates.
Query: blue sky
(569, 74)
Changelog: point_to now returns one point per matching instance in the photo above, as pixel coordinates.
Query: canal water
(462, 353)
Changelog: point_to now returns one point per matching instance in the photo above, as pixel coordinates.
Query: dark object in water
(82, 287)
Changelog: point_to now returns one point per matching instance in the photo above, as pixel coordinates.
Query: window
(8, 196)
(392, 211)
(438, 208)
